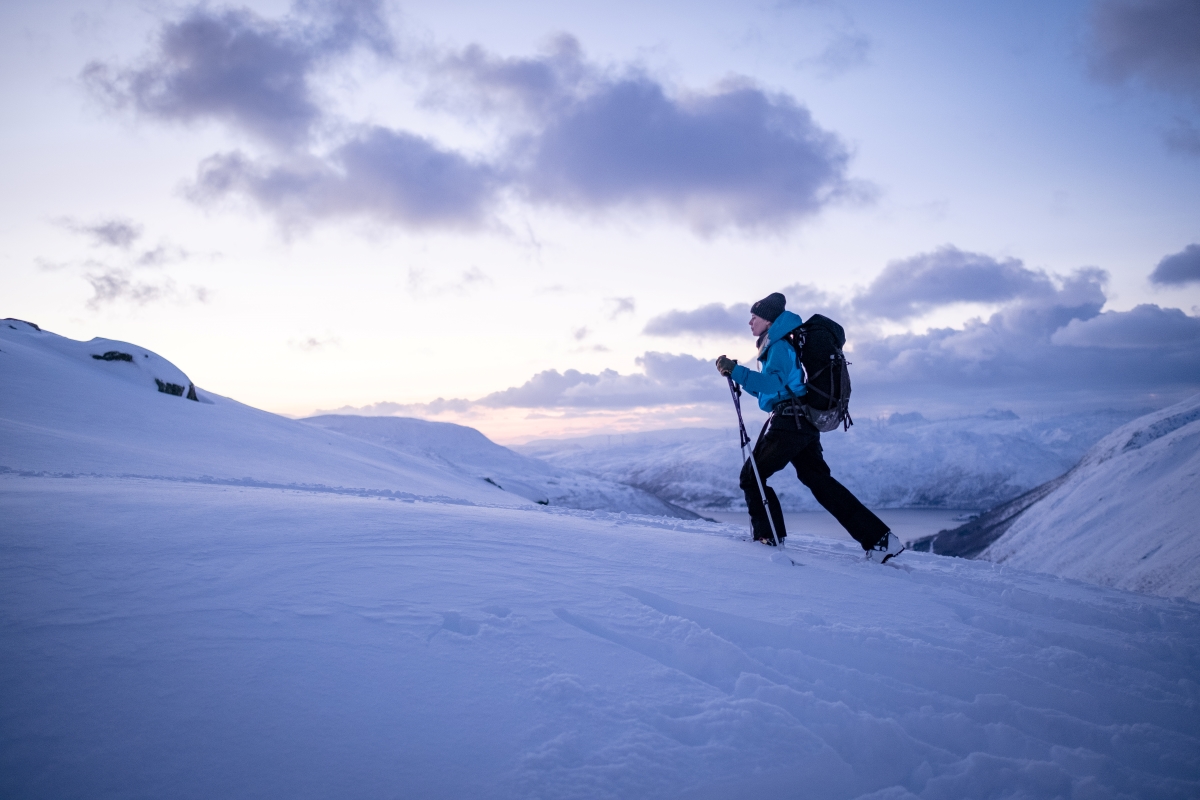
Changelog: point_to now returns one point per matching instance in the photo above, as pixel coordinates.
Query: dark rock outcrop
(114, 355)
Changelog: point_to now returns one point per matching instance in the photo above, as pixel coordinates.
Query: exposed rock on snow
(469, 451)
(1127, 516)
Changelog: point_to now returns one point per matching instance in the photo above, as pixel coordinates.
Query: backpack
(818, 344)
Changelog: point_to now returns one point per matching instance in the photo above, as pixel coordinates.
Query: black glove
(725, 365)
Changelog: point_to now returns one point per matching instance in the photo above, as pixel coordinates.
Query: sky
(548, 218)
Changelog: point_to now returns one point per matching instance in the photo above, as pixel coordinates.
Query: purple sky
(548, 218)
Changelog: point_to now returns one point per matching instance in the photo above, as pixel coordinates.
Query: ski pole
(745, 439)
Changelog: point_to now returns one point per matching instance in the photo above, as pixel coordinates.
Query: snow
(468, 451)
(901, 461)
(62, 411)
(173, 636)
(1126, 516)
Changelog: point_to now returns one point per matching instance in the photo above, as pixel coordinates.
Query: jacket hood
(784, 324)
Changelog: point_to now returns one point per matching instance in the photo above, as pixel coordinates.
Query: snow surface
(468, 451)
(899, 462)
(168, 636)
(189, 640)
(62, 411)
(1127, 516)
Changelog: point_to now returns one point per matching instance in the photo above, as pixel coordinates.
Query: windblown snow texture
(1127, 516)
(902, 461)
(164, 636)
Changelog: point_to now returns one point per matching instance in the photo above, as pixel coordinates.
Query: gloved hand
(725, 365)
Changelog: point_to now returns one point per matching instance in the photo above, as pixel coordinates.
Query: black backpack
(826, 402)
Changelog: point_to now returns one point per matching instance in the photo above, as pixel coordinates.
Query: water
(907, 523)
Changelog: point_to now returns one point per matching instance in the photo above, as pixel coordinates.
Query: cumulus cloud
(1143, 326)
(736, 155)
(237, 67)
(913, 286)
(1179, 268)
(1049, 341)
(717, 320)
(1049, 336)
(1152, 41)
(569, 133)
(392, 176)
(714, 319)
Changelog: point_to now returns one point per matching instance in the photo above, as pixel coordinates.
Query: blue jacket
(780, 371)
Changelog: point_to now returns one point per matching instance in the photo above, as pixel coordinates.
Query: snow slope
(63, 411)
(902, 461)
(1127, 516)
(165, 639)
(163, 634)
(470, 452)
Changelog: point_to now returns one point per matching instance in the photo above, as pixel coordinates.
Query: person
(789, 437)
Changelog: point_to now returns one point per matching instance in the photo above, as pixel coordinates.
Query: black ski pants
(783, 442)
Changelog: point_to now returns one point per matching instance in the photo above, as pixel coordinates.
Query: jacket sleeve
(780, 363)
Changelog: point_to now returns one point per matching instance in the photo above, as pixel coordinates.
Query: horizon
(543, 221)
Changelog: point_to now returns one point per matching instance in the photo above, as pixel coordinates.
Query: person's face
(758, 325)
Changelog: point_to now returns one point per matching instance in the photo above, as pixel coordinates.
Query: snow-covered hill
(1127, 516)
(263, 633)
(468, 451)
(903, 461)
(67, 408)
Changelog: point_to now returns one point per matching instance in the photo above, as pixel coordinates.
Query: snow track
(168, 639)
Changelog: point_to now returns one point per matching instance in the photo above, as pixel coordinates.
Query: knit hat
(770, 307)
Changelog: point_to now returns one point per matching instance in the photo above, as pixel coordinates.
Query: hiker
(789, 437)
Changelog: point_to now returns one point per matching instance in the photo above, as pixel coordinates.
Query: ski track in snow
(179, 639)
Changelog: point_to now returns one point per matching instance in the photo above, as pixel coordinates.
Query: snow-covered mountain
(1127, 516)
(902, 461)
(468, 451)
(105, 407)
(264, 633)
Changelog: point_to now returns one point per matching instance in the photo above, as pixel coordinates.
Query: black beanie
(770, 307)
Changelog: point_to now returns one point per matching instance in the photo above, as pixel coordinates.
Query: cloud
(735, 156)
(717, 320)
(568, 133)
(848, 50)
(666, 379)
(474, 82)
(116, 232)
(620, 305)
(1039, 347)
(388, 175)
(1178, 269)
(1049, 338)
(312, 344)
(1144, 326)
(1051, 342)
(714, 319)
(117, 285)
(237, 67)
(1153, 41)
(913, 286)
